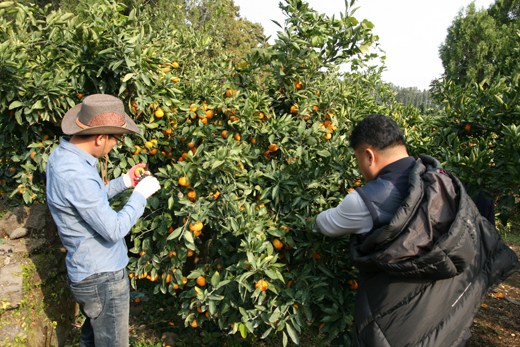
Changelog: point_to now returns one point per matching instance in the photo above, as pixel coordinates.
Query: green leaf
(6, 4)
(174, 234)
(292, 333)
(128, 76)
(243, 330)
(323, 153)
(215, 279)
(15, 104)
(217, 163)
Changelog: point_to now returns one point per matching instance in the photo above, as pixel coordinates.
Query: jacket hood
(431, 235)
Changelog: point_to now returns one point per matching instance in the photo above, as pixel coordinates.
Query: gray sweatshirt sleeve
(351, 216)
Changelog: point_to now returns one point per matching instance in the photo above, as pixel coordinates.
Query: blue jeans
(104, 299)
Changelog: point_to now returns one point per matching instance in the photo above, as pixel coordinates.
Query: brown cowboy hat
(98, 114)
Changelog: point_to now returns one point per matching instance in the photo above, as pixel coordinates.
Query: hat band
(102, 120)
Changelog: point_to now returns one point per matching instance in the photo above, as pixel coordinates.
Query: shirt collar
(397, 167)
(65, 144)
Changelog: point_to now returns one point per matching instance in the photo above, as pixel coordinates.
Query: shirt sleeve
(351, 216)
(115, 187)
(91, 201)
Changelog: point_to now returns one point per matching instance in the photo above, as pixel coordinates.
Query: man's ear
(99, 140)
(371, 155)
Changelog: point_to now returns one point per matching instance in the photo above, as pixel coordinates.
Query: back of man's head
(377, 131)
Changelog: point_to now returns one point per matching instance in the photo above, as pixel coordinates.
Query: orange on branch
(277, 244)
(201, 281)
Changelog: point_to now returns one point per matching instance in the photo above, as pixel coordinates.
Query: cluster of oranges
(273, 147)
(183, 181)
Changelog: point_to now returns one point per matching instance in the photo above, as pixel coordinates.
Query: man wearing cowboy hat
(91, 231)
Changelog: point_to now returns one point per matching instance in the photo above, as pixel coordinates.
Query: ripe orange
(192, 194)
(237, 137)
(46, 137)
(298, 85)
(183, 181)
(153, 151)
(209, 113)
(168, 278)
(273, 147)
(159, 113)
(289, 284)
(196, 227)
(175, 79)
(315, 255)
(149, 144)
(32, 155)
(175, 65)
(322, 325)
(175, 286)
(262, 284)
(315, 108)
(277, 244)
(230, 93)
(190, 252)
(467, 127)
(328, 136)
(224, 134)
(194, 324)
(201, 281)
(184, 280)
(142, 253)
(294, 109)
(137, 300)
(353, 284)
(80, 95)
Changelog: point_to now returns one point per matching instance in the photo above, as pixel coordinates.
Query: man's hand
(148, 186)
(130, 178)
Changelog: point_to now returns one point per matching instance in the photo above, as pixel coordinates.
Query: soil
(498, 320)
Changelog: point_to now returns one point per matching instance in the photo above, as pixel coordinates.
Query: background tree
(482, 44)
(221, 20)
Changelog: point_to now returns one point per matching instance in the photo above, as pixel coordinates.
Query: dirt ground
(498, 320)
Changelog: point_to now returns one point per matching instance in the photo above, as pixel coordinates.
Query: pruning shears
(139, 173)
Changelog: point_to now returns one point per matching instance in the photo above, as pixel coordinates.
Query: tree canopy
(219, 19)
(482, 44)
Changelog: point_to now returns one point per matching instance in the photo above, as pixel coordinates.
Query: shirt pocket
(88, 298)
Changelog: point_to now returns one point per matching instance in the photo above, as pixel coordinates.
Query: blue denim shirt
(91, 231)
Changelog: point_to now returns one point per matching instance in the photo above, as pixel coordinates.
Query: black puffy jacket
(424, 275)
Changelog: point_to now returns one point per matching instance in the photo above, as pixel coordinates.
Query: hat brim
(70, 127)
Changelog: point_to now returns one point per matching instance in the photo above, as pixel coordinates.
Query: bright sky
(410, 31)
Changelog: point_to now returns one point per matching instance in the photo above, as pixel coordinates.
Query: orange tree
(479, 139)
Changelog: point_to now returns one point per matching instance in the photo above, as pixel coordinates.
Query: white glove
(148, 186)
(130, 177)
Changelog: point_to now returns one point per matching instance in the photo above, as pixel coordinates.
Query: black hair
(377, 131)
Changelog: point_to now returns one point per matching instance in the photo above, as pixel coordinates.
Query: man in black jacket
(427, 258)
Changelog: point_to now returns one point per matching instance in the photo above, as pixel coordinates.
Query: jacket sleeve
(351, 216)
